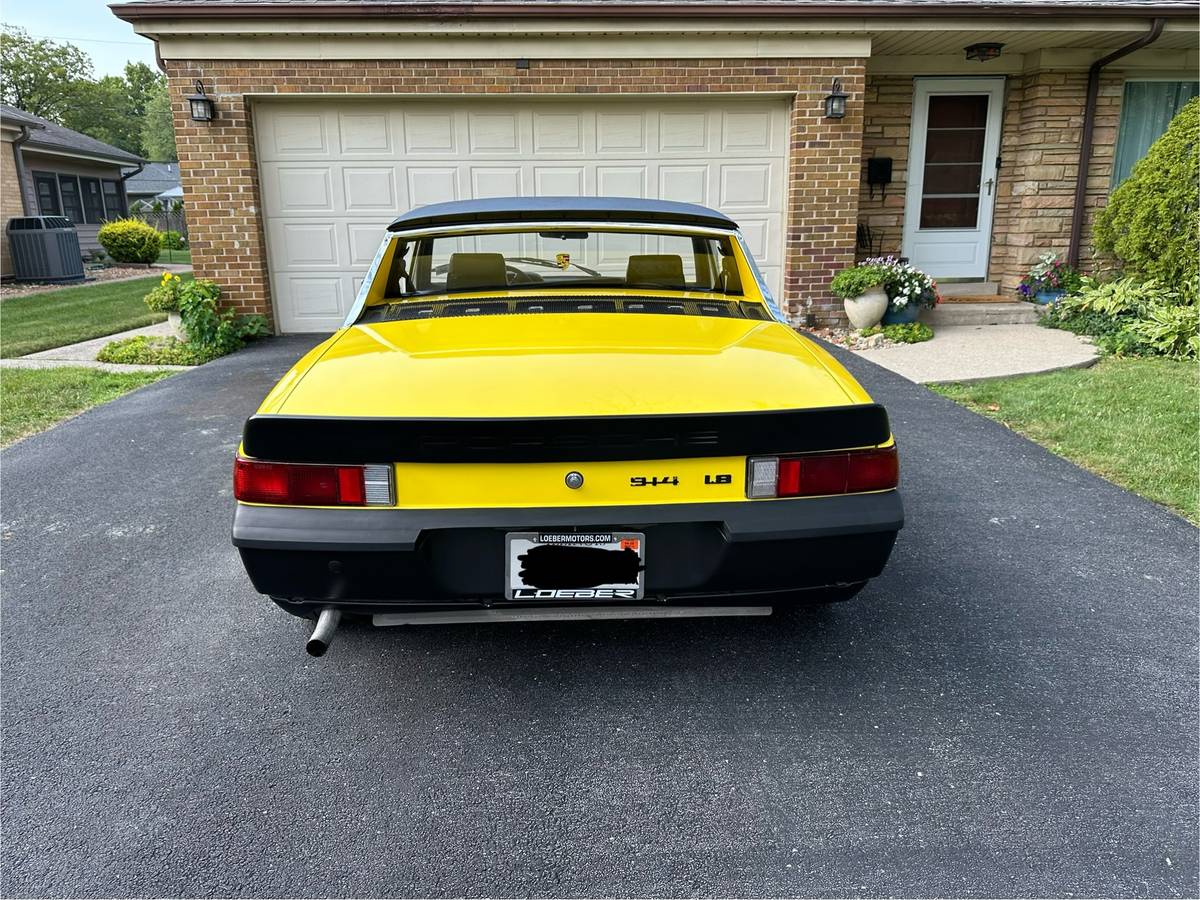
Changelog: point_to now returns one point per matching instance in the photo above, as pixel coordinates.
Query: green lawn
(32, 400)
(175, 256)
(56, 318)
(1132, 421)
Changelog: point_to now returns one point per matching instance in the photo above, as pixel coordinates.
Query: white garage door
(335, 173)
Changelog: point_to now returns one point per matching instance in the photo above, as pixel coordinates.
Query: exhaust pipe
(322, 633)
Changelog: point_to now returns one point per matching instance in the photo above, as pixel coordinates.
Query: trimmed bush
(1152, 221)
(153, 351)
(130, 241)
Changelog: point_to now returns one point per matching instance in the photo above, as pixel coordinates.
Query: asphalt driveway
(1010, 710)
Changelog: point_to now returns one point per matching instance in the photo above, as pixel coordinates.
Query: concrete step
(969, 288)
(980, 314)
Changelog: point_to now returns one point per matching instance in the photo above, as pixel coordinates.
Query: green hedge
(1152, 221)
(130, 241)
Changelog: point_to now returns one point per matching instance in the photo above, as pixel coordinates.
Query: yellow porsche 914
(556, 408)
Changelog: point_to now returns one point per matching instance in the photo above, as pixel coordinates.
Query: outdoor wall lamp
(835, 103)
(201, 105)
(983, 52)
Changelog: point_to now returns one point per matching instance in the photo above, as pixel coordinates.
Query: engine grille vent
(411, 309)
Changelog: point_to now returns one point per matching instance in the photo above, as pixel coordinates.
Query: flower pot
(901, 316)
(175, 323)
(865, 310)
(1045, 297)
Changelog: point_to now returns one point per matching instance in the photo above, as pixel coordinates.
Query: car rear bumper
(373, 560)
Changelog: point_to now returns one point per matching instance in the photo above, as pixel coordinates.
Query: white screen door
(952, 175)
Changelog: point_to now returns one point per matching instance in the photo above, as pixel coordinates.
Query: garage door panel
(621, 181)
(496, 181)
(290, 189)
(683, 132)
(429, 133)
(621, 133)
(365, 134)
(334, 173)
(431, 184)
(560, 133)
(559, 181)
(494, 133)
(363, 239)
(307, 245)
(369, 188)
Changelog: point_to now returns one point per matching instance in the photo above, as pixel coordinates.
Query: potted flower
(164, 297)
(909, 290)
(1048, 280)
(861, 289)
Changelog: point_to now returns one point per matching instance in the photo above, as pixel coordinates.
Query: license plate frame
(558, 575)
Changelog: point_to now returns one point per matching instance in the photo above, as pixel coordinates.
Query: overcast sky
(88, 24)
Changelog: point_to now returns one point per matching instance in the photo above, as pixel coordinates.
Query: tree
(104, 110)
(42, 76)
(1152, 221)
(158, 127)
(141, 81)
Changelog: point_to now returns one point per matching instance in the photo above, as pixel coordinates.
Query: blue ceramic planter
(901, 316)
(1046, 297)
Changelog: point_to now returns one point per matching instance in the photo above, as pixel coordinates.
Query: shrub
(130, 241)
(1152, 221)
(213, 331)
(172, 240)
(153, 351)
(164, 296)
(1133, 318)
(857, 280)
(906, 333)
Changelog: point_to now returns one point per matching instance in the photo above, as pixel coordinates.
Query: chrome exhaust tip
(322, 633)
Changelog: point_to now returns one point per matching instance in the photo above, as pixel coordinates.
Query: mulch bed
(91, 276)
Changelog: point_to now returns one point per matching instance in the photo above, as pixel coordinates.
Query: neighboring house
(61, 173)
(154, 179)
(332, 117)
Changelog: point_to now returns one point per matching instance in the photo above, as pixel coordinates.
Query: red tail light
(819, 474)
(292, 484)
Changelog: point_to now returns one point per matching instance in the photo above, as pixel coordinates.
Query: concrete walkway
(84, 354)
(978, 352)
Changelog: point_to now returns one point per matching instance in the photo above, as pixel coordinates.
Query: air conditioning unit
(44, 248)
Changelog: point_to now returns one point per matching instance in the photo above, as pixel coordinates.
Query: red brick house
(965, 123)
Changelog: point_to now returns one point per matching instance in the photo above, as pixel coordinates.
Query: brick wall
(220, 178)
(10, 201)
(1039, 149)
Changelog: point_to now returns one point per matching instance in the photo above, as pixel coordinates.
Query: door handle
(989, 184)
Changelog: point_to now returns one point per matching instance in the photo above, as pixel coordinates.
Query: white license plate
(563, 565)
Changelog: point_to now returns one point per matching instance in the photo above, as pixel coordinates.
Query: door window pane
(953, 167)
(47, 194)
(68, 185)
(949, 212)
(1146, 110)
(969, 111)
(93, 202)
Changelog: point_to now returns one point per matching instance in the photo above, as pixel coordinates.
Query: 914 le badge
(574, 566)
(673, 480)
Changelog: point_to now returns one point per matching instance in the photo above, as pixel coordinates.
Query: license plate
(575, 565)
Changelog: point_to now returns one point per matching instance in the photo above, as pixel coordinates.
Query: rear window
(569, 258)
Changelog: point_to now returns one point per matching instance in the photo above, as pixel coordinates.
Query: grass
(1132, 421)
(57, 318)
(32, 400)
(175, 256)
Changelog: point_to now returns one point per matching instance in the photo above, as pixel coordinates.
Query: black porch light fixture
(201, 104)
(983, 52)
(835, 102)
